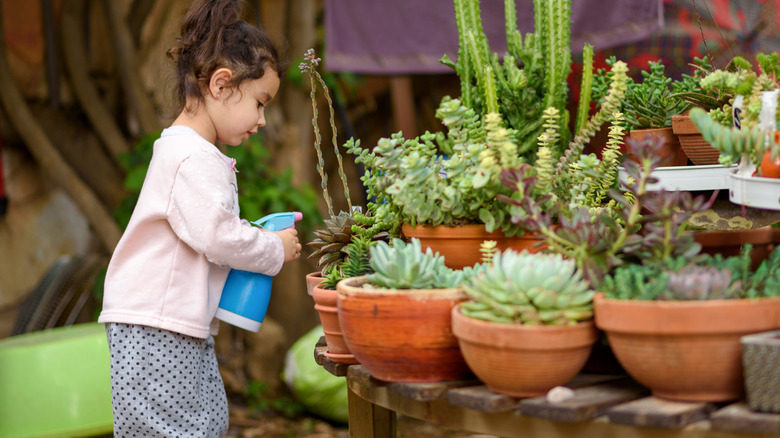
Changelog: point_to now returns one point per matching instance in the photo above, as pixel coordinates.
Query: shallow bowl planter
(519, 360)
(761, 362)
(684, 350)
(401, 335)
(460, 244)
(326, 305)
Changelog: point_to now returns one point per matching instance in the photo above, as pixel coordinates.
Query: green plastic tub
(55, 383)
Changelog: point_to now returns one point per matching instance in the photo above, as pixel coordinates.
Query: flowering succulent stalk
(309, 67)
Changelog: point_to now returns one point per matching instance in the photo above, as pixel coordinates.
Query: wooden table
(603, 406)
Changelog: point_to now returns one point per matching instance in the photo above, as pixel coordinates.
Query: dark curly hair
(214, 35)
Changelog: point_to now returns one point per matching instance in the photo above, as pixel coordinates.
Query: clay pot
(672, 153)
(460, 244)
(730, 242)
(685, 350)
(401, 335)
(313, 279)
(698, 150)
(325, 303)
(519, 360)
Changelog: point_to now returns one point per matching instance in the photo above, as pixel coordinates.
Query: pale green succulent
(401, 265)
(532, 289)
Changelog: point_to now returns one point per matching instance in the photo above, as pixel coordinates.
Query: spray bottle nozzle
(279, 221)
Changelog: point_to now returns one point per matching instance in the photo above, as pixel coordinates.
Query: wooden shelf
(603, 405)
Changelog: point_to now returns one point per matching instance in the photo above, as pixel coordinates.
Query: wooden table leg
(367, 420)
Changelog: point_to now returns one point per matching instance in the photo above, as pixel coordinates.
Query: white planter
(755, 191)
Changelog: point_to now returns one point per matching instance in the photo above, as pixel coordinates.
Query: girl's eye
(260, 104)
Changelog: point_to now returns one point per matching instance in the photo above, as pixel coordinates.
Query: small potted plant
(444, 185)
(396, 320)
(660, 322)
(689, 89)
(341, 246)
(527, 325)
(646, 252)
(649, 106)
(750, 139)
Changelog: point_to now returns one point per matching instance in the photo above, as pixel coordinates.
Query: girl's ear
(219, 82)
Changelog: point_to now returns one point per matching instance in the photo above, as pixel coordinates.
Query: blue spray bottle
(246, 295)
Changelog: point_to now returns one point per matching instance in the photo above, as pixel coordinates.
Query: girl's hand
(292, 247)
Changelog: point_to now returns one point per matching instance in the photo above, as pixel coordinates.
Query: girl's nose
(261, 120)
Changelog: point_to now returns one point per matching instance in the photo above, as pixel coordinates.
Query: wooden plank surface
(738, 417)
(587, 402)
(611, 399)
(337, 369)
(428, 391)
(481, 398)
(656, 412)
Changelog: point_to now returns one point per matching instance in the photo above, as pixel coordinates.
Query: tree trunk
(76, 62)
(48, 156)
(127, 67)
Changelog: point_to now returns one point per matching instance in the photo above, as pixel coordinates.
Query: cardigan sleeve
(202, 212)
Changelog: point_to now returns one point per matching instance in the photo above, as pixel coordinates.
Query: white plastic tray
(755, 191)
(688, 178)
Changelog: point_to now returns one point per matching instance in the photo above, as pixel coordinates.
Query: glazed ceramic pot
(401, 335)
(460, 244)
(685, 350)
(519, 360)
(325, 303)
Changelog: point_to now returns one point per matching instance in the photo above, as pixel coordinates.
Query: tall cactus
(530, 78)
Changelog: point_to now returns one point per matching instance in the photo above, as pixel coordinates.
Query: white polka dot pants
(165, 384)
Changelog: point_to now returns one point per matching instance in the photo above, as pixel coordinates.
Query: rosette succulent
(531, 289)
(401, 265)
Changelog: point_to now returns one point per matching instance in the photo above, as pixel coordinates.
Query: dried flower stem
(309, 67)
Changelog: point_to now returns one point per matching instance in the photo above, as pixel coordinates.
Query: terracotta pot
(519, 360)
(313, 279)
(730, 242)
(325, 303)
(401, 335)
(685, 350)
(672, 152)
(698, 150)
(460, 245)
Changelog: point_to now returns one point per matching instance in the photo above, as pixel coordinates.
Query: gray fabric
(165, 384)
(410, 36)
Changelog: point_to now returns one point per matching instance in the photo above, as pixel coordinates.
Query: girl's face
(241, 112)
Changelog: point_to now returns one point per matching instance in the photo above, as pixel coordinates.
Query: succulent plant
(694, 282)
(649, 227)
(532, 289)
(354, 264)
(699, 278)
(651, 104)
(401, 265)
(343, 240)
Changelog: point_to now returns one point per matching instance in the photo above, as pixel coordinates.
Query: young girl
(166, 275)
